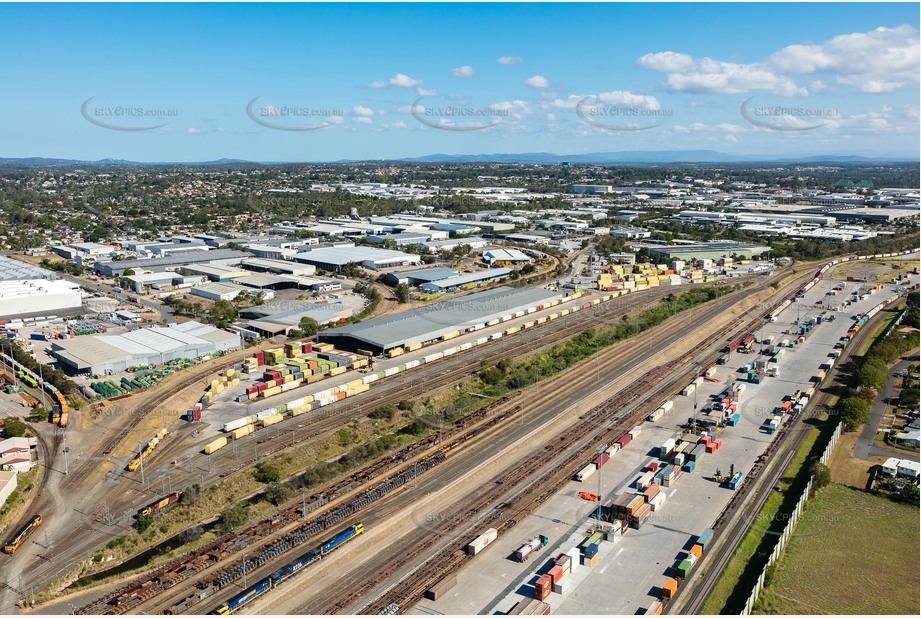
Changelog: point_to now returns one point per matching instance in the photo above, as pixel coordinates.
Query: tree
(277, 494)
(909, 493)
(873, 373)
(854, 412)
(402, 293)
(15, 428)
(266, 473)
(144, 522)
(129, 272)
(308, 327)
(222, 314)
(821, 473)
(908, 398)
(234, 517)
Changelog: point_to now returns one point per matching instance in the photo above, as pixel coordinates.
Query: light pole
(141, 460)
(601, 449)
(696, 386)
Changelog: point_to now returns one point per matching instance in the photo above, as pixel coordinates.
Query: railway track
(732, 525)
(396, 390)
(518, 346)
(439, 563)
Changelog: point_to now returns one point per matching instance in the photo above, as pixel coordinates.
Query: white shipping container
(668, 405)
(391, 372)
(689, 390)
(740, 387)
(585, 472)
(613, 449)
(658, 501)
(709, 372)
(463, 346)
(656, 415)
(698, 381)
(479, 544)
(412, 364)
(297, 403)
(645, 480)
(482, 340)
(635, 431)
(667, 447)
(450, 351)
(236, 424)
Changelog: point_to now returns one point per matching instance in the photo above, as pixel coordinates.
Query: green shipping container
(684, 569)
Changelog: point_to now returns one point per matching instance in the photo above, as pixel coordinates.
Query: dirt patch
(849, 470)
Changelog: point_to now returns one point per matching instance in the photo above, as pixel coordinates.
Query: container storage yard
(658, 489)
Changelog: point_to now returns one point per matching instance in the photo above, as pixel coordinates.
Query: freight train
(159, 505)
(14, 543)
(135, 463)
(289, 570)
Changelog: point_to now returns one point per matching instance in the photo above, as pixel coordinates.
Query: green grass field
(852, 553)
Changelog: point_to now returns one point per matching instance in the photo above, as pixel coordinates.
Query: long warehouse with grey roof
(97, 354)
(426, 324)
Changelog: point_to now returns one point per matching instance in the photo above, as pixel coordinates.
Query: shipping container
(443, 585)
(213, 446)
(585, 472)
(480, 543)
(669, 588)
(658, 501)
(542, 587)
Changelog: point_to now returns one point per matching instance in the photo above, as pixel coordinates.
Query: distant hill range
(624, 157)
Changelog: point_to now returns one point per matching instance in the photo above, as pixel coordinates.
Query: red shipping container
(624, 440)
(306, 348)
(653, 467)
(196, 415)
(601, 460)
(261, 386)
(556, 574)
(705, 440)
(719, 443)
(710, 448)
(542, 587)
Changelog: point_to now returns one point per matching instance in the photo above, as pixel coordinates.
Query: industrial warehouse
(99, 354)
(413, 329)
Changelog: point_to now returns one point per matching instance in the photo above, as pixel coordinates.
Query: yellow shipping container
(337, 371)
(213, 446)
(299, 411)
(242, 431)
(218, 389)
(653, 282)
(394, 352)
(354, 384)
(272, 420)
(451, 335)
(289, 378)
(229, 373)
(542, 320)
(271, 391)
(528, 324)
(413, 347)
(323, 347)
(553, 316)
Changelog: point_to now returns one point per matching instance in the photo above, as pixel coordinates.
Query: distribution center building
(27, 298)
(334, 258)
(429, 323)
(97, 354)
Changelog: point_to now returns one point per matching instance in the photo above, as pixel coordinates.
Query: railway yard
(394, 534)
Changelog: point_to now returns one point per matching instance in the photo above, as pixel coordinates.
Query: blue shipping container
(688, 467)
(591, 550)
(705, 537)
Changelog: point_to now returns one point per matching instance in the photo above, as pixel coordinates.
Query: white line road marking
(611, 561)
(672, 493)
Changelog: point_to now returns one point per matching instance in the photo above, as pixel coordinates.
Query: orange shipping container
(340, 395)
(669, 588)
(697, 550)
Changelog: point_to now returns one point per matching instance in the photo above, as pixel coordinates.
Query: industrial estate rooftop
(427, 323)
(14, 269)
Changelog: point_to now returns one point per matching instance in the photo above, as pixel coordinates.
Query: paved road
(865, 448)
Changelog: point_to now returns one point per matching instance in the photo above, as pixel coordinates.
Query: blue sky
(327, 82)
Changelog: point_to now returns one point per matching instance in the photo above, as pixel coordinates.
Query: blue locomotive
(289, 570)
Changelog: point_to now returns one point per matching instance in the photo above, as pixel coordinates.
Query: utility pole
(66, 449)
(41, 386)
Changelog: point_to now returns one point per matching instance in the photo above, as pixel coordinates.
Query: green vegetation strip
(739, 577)
(853, 553)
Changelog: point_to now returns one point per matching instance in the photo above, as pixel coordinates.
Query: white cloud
(400, 80)
(881, 60)
(363, 120)
(623, 98)
(510, 60)
(193, 131)
(731, 139)
(422, 92)
(399, 124)
(537, 81)
(463, 71)
(361, 110)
